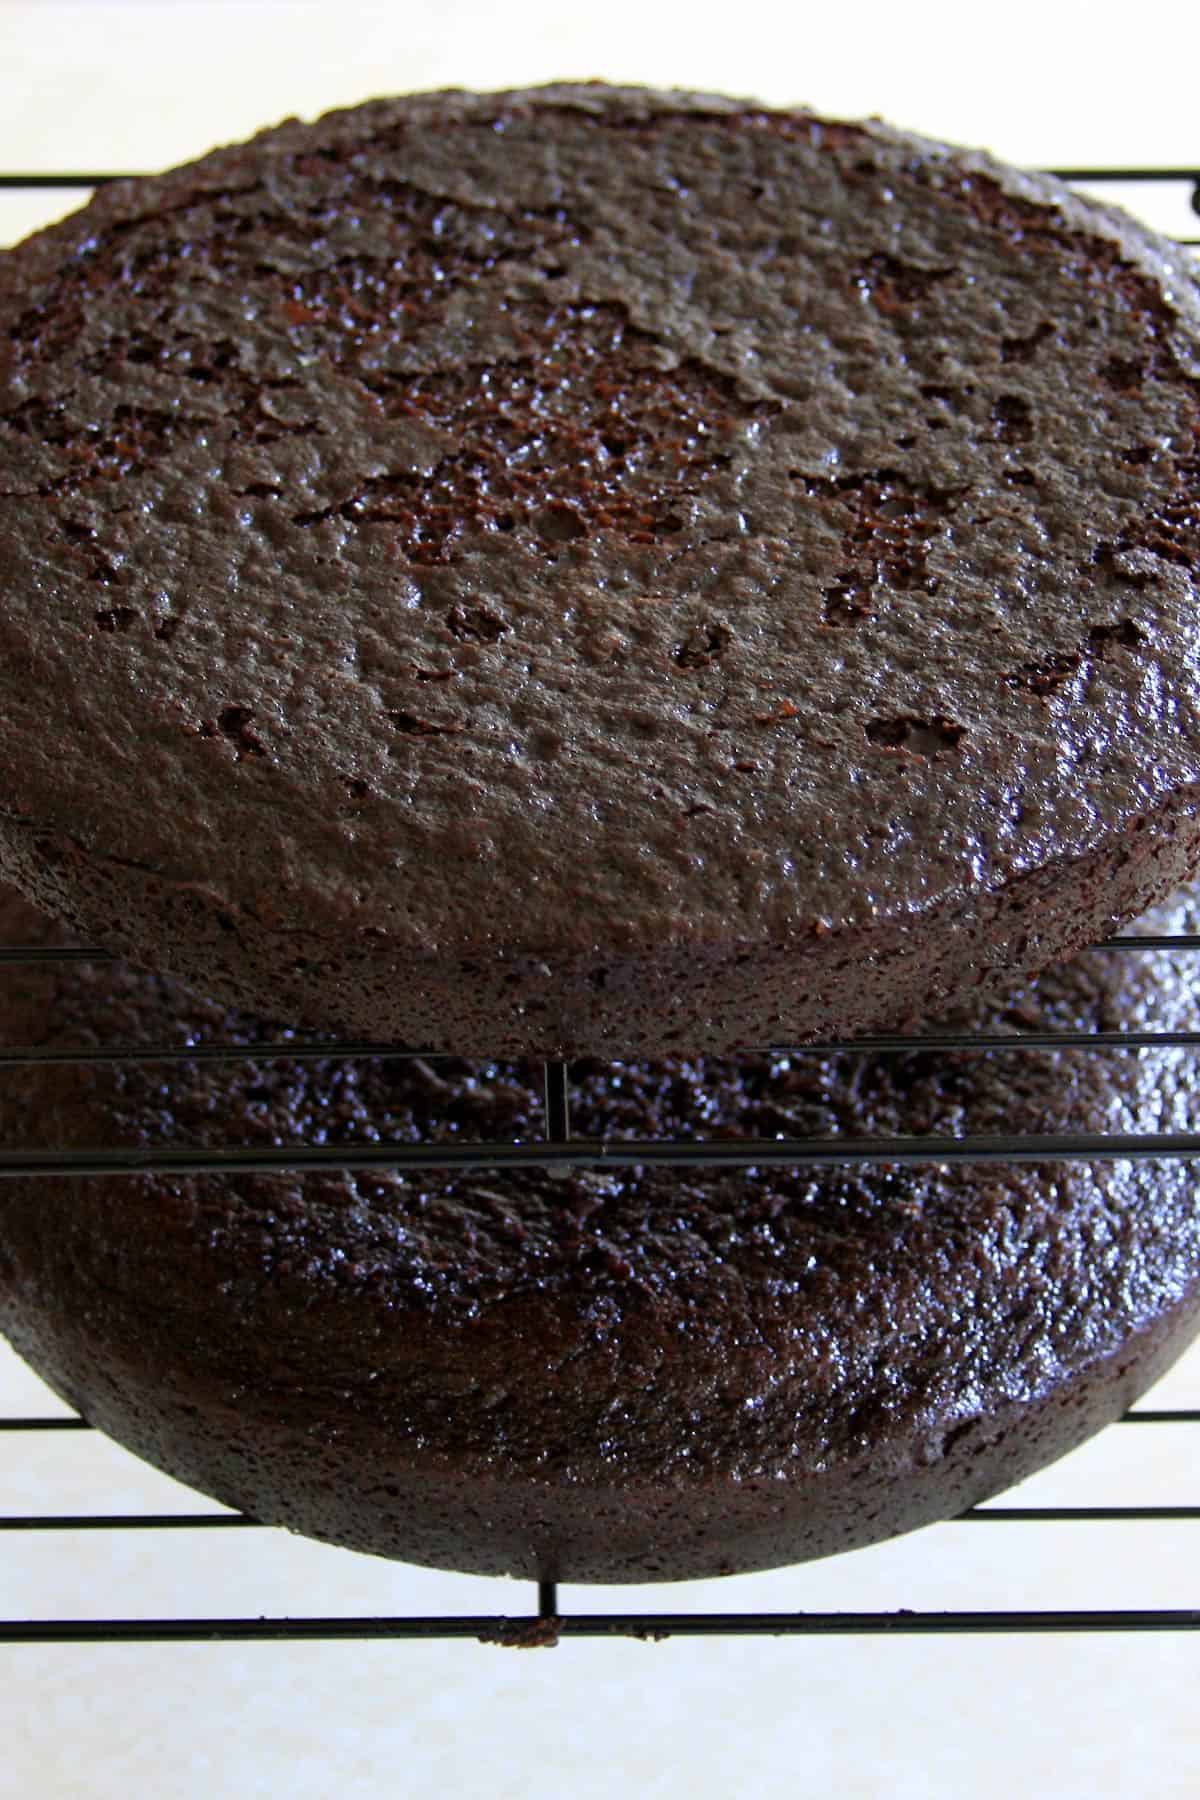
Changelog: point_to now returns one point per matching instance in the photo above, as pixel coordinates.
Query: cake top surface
(594, 517)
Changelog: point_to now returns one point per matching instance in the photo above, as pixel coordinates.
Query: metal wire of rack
(545, 1624)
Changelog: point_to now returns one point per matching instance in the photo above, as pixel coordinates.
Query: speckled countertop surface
(135, 86)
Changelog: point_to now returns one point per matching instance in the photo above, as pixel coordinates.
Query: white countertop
(103, 85)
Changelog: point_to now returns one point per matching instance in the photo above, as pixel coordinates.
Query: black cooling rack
(544, 1624)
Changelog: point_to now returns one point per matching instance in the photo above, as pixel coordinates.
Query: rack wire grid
(545, 1624)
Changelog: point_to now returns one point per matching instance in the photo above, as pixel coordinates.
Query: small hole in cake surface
(116, 618)
(414, 725)
(846, 602)
(921, 737)
(1125, 373)
(1124, 633)
(559, 525)
(703, 645)
(1023, 349)
(1012, 418)
(477, 623)
(233, 724)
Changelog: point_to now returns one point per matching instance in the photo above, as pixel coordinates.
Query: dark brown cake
(596, 570)
(600, 1376)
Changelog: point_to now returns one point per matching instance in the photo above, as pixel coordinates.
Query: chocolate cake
(597, 571)
(599, 1375)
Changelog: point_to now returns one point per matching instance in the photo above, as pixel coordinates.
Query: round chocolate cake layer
(599, 571)
(600, 1376)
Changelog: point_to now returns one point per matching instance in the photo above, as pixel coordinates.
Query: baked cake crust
(592, 570)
